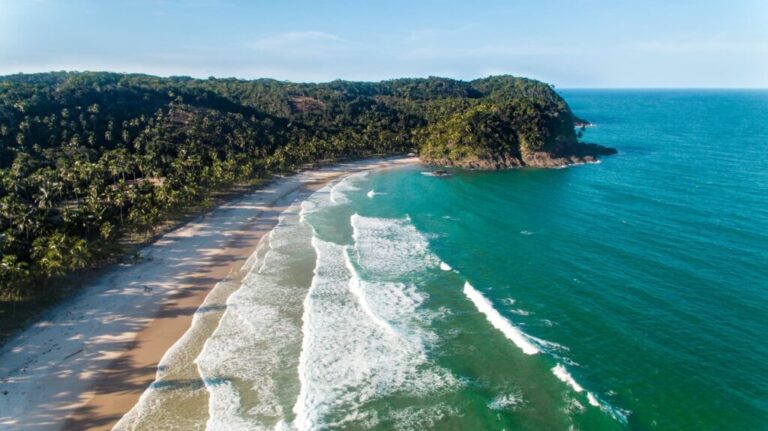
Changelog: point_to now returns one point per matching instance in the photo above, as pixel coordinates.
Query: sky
(577, 43)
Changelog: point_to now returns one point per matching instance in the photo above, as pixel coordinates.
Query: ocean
(626, 294)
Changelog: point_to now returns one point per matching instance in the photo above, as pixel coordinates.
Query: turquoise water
(629, 294)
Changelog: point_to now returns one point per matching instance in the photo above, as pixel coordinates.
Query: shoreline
(87, 362)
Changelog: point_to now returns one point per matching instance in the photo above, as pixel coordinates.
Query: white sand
(50, 369)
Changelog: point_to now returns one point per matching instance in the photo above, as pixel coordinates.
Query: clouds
(297, 39)
(699, 47)
(301, 45)
(599, 43)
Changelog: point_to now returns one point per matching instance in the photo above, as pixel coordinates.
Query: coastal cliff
(516, 122)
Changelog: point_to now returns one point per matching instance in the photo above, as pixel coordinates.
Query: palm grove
(88, 158)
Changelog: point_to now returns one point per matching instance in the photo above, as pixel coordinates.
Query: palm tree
(50, 254)
(78, 254)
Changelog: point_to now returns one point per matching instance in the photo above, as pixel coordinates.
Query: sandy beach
(87, 362)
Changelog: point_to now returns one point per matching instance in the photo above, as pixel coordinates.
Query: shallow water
(626, 294)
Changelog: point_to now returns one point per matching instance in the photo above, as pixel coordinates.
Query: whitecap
(507, 401)
(548, 346)
(499, 322)
(564, 376)
(592, 400)
(445, 267)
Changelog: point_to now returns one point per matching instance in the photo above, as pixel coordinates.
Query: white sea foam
(363, 340)
(333, 194)
(319, 200)
(445, 267)
(258, 337)
(519, 311)
(172, 368)
(548, 346)
(564, 376)
(223, 396)
(356, 288)
(357, 340)
(618, 414)
(391, 247)
(532, 345)
(338, 192)
(420, 418)
(592, 400)
(499, 322)
(507, 401)
(573, 406)
(373, 193)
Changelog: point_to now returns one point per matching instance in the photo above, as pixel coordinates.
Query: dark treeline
(87, 158)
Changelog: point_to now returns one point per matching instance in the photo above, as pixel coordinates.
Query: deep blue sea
(628, 294)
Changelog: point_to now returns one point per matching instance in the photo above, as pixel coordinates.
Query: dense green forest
(88, 158)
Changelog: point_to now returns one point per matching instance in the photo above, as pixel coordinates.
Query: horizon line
(556, 87)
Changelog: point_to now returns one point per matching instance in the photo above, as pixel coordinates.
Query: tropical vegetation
(87, 159)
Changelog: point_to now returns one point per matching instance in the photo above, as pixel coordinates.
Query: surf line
(499, 322)
(356, 289)
(527, 344)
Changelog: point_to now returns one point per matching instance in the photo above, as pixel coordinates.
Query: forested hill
(87, 157)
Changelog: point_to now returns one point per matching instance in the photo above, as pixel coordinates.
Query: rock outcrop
(512, 122)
